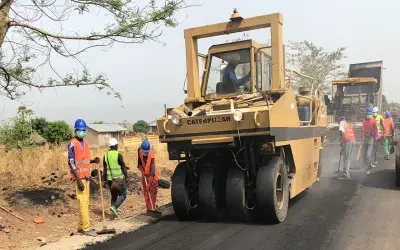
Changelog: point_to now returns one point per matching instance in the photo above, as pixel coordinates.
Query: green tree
(57, 132)
(33, 33)
(141, 127)
(39, 124)
(17, 133)
(314, 61)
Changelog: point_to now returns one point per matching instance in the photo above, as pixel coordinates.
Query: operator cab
(228, 70)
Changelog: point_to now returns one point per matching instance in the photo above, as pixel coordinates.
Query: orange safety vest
(82, 159)
(348, 132)
(146, 165)
(369, 127)
(388, 122)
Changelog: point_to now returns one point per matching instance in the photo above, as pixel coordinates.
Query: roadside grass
(35, 183)
(27, 168)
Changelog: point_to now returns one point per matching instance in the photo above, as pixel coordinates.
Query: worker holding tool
(79, 165)
(389, 133)
(147, 165)
(381, 133)
(369, 137)
(116, 175)
(342, 128)
(347, 142)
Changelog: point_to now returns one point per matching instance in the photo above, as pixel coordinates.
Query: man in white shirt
(347, 141)
(342, 124)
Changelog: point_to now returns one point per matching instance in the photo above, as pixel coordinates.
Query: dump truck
(353, 105)
(361, 88)
(245, 141)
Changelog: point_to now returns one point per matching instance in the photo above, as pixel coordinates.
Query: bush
(141, 127)
(17, 134)
(39, 125)
(57, 132)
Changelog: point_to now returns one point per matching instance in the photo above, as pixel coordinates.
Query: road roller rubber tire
(272, 191)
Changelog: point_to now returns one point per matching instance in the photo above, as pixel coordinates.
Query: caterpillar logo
(209, 120)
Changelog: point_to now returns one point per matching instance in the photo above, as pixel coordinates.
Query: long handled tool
(340, 160)
(151, 212)
(3, 208)
(104, 229)
(358, 157)
(359, 151)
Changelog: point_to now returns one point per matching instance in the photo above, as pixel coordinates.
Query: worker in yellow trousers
(79, 165)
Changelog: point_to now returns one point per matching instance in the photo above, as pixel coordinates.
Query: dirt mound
(166, 172)
(134, 183)
(53, 179)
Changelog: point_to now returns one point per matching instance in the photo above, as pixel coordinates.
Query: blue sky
(150, 74)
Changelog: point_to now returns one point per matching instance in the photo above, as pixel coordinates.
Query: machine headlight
(238, 115)
(176, 119)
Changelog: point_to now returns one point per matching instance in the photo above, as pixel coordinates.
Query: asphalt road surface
(361, 213)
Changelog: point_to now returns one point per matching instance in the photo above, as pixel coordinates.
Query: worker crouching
(115, 172)
(79, 165)
(147, 166)
(347, 143)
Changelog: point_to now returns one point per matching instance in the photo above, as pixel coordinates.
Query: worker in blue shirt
(229, 75)
(79, 166)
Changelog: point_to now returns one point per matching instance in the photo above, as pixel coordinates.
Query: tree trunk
(4, 19)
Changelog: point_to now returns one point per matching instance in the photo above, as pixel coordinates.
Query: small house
(129, 127)
(98, 135)
(153, 128)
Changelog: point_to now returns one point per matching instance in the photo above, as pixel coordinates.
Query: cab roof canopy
(354, 81)
(235, 25)
(237, 57)
(241, 50)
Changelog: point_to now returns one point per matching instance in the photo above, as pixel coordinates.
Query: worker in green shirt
(116, 175)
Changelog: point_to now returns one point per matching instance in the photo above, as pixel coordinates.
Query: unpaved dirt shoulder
(56, 206)
(121, 226)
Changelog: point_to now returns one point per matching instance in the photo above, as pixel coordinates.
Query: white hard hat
(375, 110)
(112, 142)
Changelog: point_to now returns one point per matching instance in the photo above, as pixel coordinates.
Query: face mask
(368, 117)
(81, 134)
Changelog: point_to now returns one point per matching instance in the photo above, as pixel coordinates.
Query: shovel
(358, 156)
(152, 212)
(340, 160)
(104, 230)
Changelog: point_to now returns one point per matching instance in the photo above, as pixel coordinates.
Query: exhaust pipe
(180, 113)
(187, 110)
